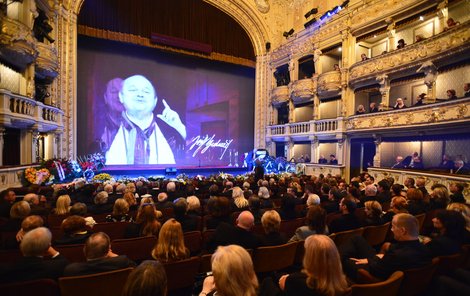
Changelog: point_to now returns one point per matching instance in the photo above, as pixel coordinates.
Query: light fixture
(375, 36)
(340, 48)
(421, 18)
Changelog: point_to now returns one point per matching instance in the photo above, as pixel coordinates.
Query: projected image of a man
(139, 140)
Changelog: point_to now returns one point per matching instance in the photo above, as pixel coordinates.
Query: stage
(158, 171)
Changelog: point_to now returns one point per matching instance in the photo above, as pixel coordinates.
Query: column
(262, 88)
(34, 146)
(317, 53)
(290, 147)
(2, 142)
(340, 149)
(314, 149)
(293, 70)
(378, 142)
(58, 144)
(430, 77)
(391, 34)
(291, 111)
(384, 89)
(443, 15)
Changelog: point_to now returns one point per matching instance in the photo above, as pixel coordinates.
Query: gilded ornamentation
(435, 115)
(280, 95)
(461, 111)
(302, 90)
(329, 83)
(409, 118)
(47, 61)
(17, 42)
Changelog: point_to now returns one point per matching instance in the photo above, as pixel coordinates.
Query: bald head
(97, 246)
(31, 198)
(245, 220)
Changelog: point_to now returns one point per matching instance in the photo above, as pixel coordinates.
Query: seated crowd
(241, 215)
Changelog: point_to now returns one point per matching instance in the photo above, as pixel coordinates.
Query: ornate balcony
(22, 112)
(302, 91)
(329, 84)
(325, 128)
(279, 95)
(47, 63)
(446, 47)
(455, 112)
(17, 43)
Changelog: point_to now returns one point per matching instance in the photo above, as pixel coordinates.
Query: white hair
(313, 199)
(263, 192)
(170, 187)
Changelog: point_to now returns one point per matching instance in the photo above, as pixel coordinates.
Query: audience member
(401, 44)
(461, 168)
(18, 211)
(7, 199)
(374, 213)
(399, 104)
(266, 202)
(333, 159)
(188, 223)
(322, 160)
(75, 231)
(232, 273)
(451, 94)
(446, 163)
(416, 161)
(373, 107)
(163, 202)
(146, 223)
(149, 278)
(416, 203)
(170, 246)
(464, 210)
(398, 163)
(315, 223)
(99, 256)
(364, 57)
(439, 198)
(219, 211)
(120, 212)
(360, 110)
(347, 220)
(35, 247)
(456, 188)
(466, 89)
(271, 221)
(397, 206)
(419, 38)
(406, 253)
(62, 206)
(420, 99)
(451, 23)
(240, 203)
(336, 67)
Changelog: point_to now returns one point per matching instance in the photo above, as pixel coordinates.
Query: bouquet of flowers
(34, 176)
(102, 177)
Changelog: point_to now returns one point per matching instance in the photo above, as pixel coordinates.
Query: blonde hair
(170, 246)
(62, 205)
(399, 204)
(271, 221)
(193, 203)
(130, 198)
(374, 207)
(322, 265)
(121, 207)
(462, 209)
(238, 198)
(233, 272)
(441, 193)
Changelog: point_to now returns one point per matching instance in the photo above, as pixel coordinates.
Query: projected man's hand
(172, 119)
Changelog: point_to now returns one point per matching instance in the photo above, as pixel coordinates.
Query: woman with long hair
(322, 273)
(451, 233)
(233, 273)
(374, 213)
(62, 206)
(146, 223)
(120, 212)
(315, 223)
(170, 246)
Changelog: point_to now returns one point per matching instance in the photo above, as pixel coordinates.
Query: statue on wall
(430, 73)
(262, 5)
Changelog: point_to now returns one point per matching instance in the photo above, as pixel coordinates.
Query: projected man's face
(138, 96)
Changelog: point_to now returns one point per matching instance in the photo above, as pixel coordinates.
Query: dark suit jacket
(98, 265)
(227, 234)
(273, 239)
(343, 223)
(401, 256)
(32, 268)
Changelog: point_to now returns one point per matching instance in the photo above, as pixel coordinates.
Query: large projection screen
(139, 105)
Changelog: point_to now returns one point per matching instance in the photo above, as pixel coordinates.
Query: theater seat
(137, 249)
(388, 287)
(181, 274)
(41, 287)
(99, 284)
(268, 259)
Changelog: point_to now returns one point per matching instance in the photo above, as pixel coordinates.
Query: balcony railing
(444, 44)
(324, 126)
(329, 84)
(21, 112)
(47, 62)
(450, 111)
(280, 95)
(11, 177)
(17, 42)
(303, 90)
(299, 127)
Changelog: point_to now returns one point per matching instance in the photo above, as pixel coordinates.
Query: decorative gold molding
(47, 61)
(329, 84)
(280, 95)
(303, 90)
(17, 42)
(139, 40)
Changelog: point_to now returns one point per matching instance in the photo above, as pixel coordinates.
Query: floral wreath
(34, 176)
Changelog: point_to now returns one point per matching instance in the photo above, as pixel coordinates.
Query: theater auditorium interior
(234, 147)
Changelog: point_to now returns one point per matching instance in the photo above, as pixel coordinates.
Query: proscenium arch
(245, 14)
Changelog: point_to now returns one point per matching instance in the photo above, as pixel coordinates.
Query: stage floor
(134, 171)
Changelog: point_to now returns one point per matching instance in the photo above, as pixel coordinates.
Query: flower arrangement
(34, 176)
(102, 177)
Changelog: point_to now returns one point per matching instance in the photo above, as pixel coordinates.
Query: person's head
(171, 187)
(101, 198)
(245, 220)
(401, 43)
(363, 56)
(180, 206)
(463, 210)
(218, 206)
(131, 187)
(409, 182)
(147, 217)
(336, 67)
(79, 209)
(383, 186)
(399, 101)
(138, 96)
(20, 210)
(322, 264)
(451, 93)
(312, 200)
(316, 219)
(332, 157)
(62, 206)
(397, 189)
(9, 196)
(108, 188)
(361, 108)
(420, 182)
(193, 203)
(31, 198)
(263, 192)
(121, 207)
(32, 222)
(405, 227)
(170, 244)
(237, 192)
(371, 190)
(373, 208)
(450, 223)
(36, 242)
(97, 246)
(347, 206)
(466, 86)
(271, 221)
(233, 272)
(458, 164)
(73, 224)
(130, 198)
(414, 194)
(372, 105)
(440, 195)
(149, 278)
(451, 22)
(421, 97)
(121, 188)
(399, 204)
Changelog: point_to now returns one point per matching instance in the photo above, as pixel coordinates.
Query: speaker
(268, 46)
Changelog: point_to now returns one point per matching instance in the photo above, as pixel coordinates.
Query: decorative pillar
(384, 89)
(430, 76)
(314, 149)
(340, 149)
(262, 88)
(390, 33)
(443, 15)
(378, 142)
(293, 70)
(57, 144)
(291, 111)
(290, 147)
(34, 145)
(2, 142)
(316, 99)
(317, 53)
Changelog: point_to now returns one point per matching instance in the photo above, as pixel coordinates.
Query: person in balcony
(461, 168)
(336, 67)
(419, 38)
(373, 107)
(446, 163)
(399, 104)
(451, 94)
(333, 159)
(451, 23)
(420, 99)
(401, 44)
(416, 161)
(360, 110)
(466, 88)
(398, 163)
(364, 57)
(322, 160)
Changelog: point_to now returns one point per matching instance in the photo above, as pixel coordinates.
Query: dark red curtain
(189, 19)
